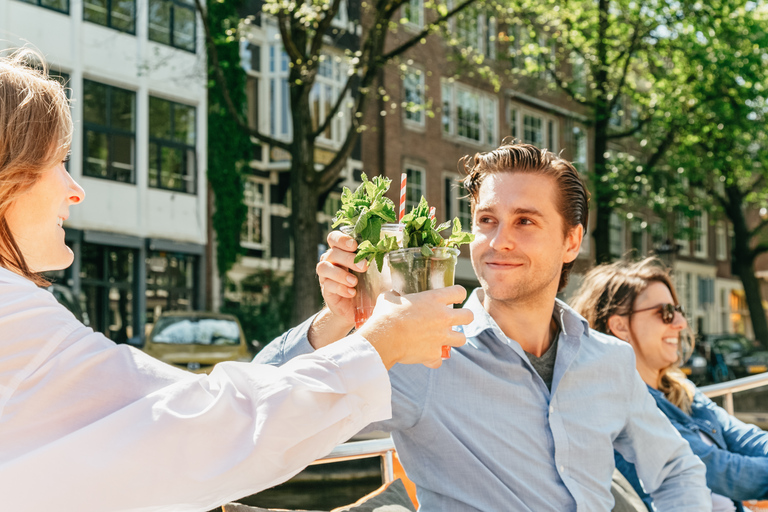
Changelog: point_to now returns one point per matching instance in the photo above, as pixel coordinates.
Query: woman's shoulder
(31, 317)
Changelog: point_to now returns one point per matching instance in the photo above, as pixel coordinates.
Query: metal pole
(728, 403)
(388, 467)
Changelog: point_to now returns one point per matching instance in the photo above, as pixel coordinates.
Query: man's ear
(573, 243)
(619, 327)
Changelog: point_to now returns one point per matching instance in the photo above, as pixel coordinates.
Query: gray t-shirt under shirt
(545, 365)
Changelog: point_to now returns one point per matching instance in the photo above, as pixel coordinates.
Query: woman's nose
(76, 192)
(679, 322)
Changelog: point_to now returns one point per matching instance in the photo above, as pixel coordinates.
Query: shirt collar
(571, 323)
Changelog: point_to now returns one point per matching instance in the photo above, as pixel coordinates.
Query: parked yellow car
(197, 340)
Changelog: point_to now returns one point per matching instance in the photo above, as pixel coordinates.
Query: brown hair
(35, 133)
(512, 156)
(609, 290)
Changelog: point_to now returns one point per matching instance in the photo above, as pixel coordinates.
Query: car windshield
(198, 331)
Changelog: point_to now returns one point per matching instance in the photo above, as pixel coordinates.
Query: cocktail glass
(372, 282)
(416, 270)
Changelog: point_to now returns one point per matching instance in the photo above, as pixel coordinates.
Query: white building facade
(135, 70)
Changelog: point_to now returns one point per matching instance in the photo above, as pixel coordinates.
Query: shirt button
(562, 469)
(714, 431)
(551, 410)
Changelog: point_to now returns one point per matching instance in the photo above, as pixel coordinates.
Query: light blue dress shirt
(483, 432)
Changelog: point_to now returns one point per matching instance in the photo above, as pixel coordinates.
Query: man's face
(519, 247)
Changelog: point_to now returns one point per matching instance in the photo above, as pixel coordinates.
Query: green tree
(613, 59)
(722, 145)
(304, 28)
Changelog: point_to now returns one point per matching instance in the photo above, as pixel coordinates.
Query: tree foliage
(304, 29)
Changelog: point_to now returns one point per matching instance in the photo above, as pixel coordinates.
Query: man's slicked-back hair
(516, 157)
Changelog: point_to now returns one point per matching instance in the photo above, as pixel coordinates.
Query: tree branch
(427, 31)
(291, 49)
(626, 133)
(213, 54)
(661, 149)
(325, 23)
(758, 250)
(758, 228)
(625, 70)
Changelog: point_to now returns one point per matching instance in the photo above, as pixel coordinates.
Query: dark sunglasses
(667, 311)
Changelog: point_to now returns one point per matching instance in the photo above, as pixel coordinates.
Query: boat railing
(353, 450)
(385, 448)
(727, 389)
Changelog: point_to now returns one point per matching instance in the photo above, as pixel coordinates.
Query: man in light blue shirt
(526, 415)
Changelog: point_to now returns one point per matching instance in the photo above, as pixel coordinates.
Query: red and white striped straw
(403, 178)
(431, 213)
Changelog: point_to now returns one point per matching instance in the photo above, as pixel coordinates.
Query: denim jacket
(737, 462)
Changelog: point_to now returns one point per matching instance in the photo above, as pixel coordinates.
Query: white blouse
(89, 425)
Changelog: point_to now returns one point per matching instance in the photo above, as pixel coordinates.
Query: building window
(173, 22)
(253, 235)
(533, 130)
(415, 188)
(457, 202)
(616, 233)
(513, 115)
(470, 114)
(681, 234)
(117, 14)
(413, 86)
(107, 282)
(172, 158)
(721, 239)
(413, 13)
(580, 150)
(330, 82)
(638, 236)
(537, 129)
(280, 124)
(55, 5)
(110, 133)
(171, 284)
(701, 234)
(476, 28)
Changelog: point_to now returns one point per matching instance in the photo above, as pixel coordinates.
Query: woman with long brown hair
(637, 303)
(88, 425)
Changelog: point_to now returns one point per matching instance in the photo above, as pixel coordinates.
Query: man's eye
(526, 221)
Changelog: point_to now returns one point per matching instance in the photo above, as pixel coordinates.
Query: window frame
(418, 5)
(173, 144)
(487, 103)
(265, 215)
(701, 240)
(109, 23)
(421, 92)
(39, 3)
(684, 243)
(453, 201)
(617, 222)
(110, 132)
(174, 5)
(409, 168)
(721, 241)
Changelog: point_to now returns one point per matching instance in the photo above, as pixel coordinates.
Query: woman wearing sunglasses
(637, 303)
